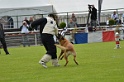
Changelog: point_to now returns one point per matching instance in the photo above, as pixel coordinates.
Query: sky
(62, 5)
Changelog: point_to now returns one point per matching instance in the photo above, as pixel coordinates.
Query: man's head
(93, 6)
(31, 19)
(70, 20)
(26, 18)
(52, 15)
(73, 15)
(114, 12)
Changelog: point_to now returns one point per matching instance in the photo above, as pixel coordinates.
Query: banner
(94, 37)
(108, 36)
(81, 38)
(91, 37)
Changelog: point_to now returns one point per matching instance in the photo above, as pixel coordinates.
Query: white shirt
(114, 16)
(50, 27)
(24, 29)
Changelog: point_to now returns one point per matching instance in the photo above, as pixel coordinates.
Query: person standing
(115, 17)
(74, 19)
(2, 39)
(24, 30)
(30, 21)
(48, 28)
(27, 21)
(93, 12)
(71, 24)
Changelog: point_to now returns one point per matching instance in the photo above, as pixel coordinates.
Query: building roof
(27, 10)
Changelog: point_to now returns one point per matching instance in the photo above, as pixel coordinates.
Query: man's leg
(91, 24)
(55, 62)
(46, 58)
(52, 51)
(4, 45)
(48, 42)
(94, 25)
(23, 40)
(27, 40)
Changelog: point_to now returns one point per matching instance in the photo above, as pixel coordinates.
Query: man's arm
(38, 22)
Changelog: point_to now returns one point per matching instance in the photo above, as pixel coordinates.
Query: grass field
(98, 62)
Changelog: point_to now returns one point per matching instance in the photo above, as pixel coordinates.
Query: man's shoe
(7, 54)
(43, 64)
(55, 63)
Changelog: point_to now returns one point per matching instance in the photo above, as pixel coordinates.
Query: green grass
(98, 62)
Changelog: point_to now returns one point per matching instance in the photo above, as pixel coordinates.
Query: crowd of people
(72, 23)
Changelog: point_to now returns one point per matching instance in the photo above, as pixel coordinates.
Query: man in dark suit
(93, 12)
(2, 39)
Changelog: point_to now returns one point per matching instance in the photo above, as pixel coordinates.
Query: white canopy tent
(16, 15)
(27, 10)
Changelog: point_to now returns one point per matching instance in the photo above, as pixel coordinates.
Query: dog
(67, 49)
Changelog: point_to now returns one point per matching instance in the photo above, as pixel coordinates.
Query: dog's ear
(62, 37)
(58, 36)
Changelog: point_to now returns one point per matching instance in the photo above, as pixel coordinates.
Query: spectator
(48, 28)
(26, 20)
(2, 39)
(24, 30)
(93, 12)
(31, 20)
(74, 19)
(35, 28)
(71, 24)
(115, 17)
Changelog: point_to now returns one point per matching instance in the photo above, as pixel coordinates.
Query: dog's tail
(61, 47)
